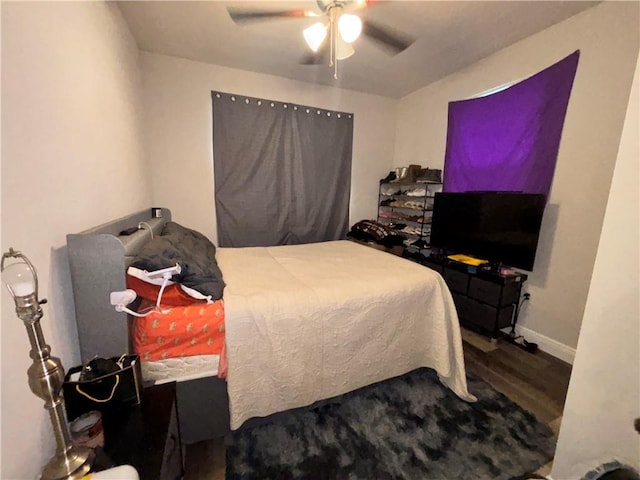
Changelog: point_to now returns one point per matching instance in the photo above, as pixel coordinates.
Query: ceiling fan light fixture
(350, 27)
(343, 50)
(315, 35)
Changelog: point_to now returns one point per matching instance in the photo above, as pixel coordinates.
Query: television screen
(495, 226)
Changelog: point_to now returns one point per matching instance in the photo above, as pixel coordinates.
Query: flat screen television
(501, 227)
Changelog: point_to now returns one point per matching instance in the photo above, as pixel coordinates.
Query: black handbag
(104, 384)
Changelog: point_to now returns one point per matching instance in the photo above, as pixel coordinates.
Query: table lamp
(46, 374)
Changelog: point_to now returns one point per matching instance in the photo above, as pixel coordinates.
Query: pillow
(174, 294)
(192, 251)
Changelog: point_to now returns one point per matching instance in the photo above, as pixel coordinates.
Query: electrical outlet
(526, 295)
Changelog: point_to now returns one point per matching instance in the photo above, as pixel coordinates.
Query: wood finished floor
(537, 382)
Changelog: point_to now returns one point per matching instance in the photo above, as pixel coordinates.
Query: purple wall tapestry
(509, 141)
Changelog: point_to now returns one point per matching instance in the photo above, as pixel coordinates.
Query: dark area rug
(410, 427)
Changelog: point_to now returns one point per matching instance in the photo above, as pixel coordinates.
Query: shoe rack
(407, 207)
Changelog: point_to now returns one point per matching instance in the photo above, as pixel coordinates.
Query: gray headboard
(98, 259)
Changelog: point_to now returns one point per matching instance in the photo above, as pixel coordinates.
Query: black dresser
(485, 300)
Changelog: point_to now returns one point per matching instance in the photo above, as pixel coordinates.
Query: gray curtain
(282, 172)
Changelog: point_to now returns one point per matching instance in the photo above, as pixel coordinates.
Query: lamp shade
(19, 279)
(315, 35)
(350, 27)
(343, 50)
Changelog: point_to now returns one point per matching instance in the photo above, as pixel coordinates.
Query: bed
(303, 323)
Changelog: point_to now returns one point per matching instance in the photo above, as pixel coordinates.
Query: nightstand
(147, 436)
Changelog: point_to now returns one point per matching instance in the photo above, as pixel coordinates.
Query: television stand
(486, 300)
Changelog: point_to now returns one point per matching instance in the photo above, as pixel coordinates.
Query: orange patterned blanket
(174, 332)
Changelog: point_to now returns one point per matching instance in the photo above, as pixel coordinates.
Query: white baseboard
(548, 345)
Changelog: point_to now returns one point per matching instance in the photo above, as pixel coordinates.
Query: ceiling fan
(338, 23)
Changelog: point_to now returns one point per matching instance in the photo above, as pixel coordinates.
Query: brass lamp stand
(46, 374)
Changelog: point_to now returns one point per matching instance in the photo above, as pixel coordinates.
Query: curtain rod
(273, 103)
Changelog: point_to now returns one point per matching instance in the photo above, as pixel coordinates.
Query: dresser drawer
(456, 281)
(488, 317)
(462, 305)
(485, 291)
(489, 292)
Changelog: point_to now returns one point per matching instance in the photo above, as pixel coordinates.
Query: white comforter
(309, 322)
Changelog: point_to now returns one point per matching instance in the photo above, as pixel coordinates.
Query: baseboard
(548, 345)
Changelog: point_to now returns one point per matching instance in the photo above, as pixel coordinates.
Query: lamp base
(72, 466)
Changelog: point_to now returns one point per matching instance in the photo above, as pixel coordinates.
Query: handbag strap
(121, 360)
(113, 391)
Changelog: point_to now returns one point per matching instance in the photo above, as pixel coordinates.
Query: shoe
(389, 178)
(401, 174)
(411, 174)
(420, 244)
(416, 192)
(389, 190)
(429, 175)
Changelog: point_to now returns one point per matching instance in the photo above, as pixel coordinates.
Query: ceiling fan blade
(244, 16)
(385, 37)
(318, 58)
(321, 57)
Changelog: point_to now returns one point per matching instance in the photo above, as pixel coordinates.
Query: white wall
(178, 133)
(604, 392)
(71, 159)
(608, 37)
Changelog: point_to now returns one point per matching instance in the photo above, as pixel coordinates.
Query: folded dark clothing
(372, 231)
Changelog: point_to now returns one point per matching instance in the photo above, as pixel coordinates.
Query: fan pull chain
(332, 37)
(333, 61)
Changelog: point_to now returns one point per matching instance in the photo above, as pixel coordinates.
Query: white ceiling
(450, 35)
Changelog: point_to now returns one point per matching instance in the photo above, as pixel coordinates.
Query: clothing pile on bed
(189, 321)
(376, 232)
